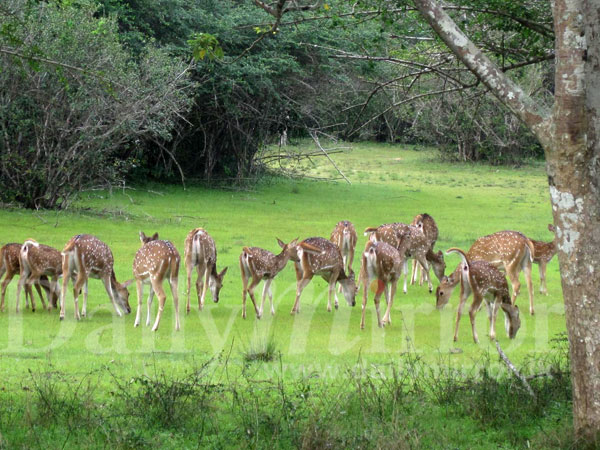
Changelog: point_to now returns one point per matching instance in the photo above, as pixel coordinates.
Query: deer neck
(281, 260)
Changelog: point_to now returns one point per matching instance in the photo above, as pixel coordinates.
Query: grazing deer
(9, 264)
(483, 280)
(392, 234)
(201, 252)
(543, 252)
(431, 232)
(86, 256)
(510, 249)
(319, 256)
(384, 263)
(344, 236)
(260, 264)
(38, 260)
(152, 263)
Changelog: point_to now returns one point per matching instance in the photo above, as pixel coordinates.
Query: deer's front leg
(301, 285)
(364, 303)
(140, 296)
(461, 305)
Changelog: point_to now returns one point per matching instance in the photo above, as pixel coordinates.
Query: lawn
(389, 183)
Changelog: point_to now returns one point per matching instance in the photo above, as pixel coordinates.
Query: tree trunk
(570, 136)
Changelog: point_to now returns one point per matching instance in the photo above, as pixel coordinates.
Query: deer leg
(543, 288)
(527, 270)
(299, 288)
(472, 313)
(38, 289)
(423, 261)
(405, 273)
(200, 287)
(267, 291)
(7, 279)
(251, 288)
(270, 292)
(111, 294)
(79, 282)
(387, 318)
(85, 299)
(413, 277)
(149, 306)
(513, 275)
(244, 288)
(66, 270)
(377, 299)
(22, 278)
(189, 269)
(140, 296)
(493, 315)
(173, 282)
(157, 287)
(331, 293)
(364, 303)
(205, 287)
(461, 305)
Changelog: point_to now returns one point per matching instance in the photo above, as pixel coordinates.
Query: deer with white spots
(37, 260)
(511, 250)
(83, 257)
(344, 236)
(319, 256)
(201, 252)
(260, 264)
(383, 263)
(431, 232)
(153, 262)
(9, 265)
(543, 252)
(484, 281)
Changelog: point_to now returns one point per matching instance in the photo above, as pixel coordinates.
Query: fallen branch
(514, 370)
(313, 134)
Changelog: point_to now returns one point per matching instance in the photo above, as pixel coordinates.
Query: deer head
(445, 289)
(349, 288)
(215, 283)
(145, 239)
(121, 294)
(512, 321)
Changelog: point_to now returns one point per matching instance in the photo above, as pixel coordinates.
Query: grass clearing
(389, 183)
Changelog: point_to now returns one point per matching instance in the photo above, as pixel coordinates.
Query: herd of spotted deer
(384, 260)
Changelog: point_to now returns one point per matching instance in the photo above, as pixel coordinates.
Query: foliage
(75, 108)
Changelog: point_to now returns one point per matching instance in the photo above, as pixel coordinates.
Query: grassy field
(389, 183)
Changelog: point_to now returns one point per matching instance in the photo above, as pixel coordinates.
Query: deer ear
(127, 283)
(223, 272)
(155, 236)
(281, 243)
(142, 236)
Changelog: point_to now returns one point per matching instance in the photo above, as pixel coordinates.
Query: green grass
(389, 183)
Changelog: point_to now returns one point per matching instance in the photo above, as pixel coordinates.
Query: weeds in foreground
(366, 406)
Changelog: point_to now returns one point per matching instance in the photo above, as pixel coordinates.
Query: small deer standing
(201, 252)
(543, 252)
(154, 261)
(85, 256)
(344, 236)
(319, 256)
(37, 260)
(260, 264)
(384, 263)
(431, 232)
(484, 281)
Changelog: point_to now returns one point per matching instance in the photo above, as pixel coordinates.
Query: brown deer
(38, 260)
(154, 261)
(201, 252)
(344, 236)
(511, 250)
(83, 257)
(319, 256)
(260, 264)
(431, 232)
(383, 263)
(484, 281)
(9, 264)
(543, 252)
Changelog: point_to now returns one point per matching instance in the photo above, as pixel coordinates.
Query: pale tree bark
(570, 136)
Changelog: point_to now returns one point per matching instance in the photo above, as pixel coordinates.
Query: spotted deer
(260, 264)
(9, 265)
(319, 256)
(344, 236)
(201, 252)
(484, 281)
(153, 262)
(37, 260)
(83, 257)
(382, 263)
(431, 232)
(511, 250)
(543, 252)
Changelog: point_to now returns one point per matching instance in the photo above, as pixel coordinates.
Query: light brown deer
(319, 256)
(431, 232)
(9, 264)
(260, 264)
(153, 262)
(344, 236)
(201, 252)
(543, 252)
(37, 260)
(484, 281)
(511, 250)
(83, 257)
(383, 263)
